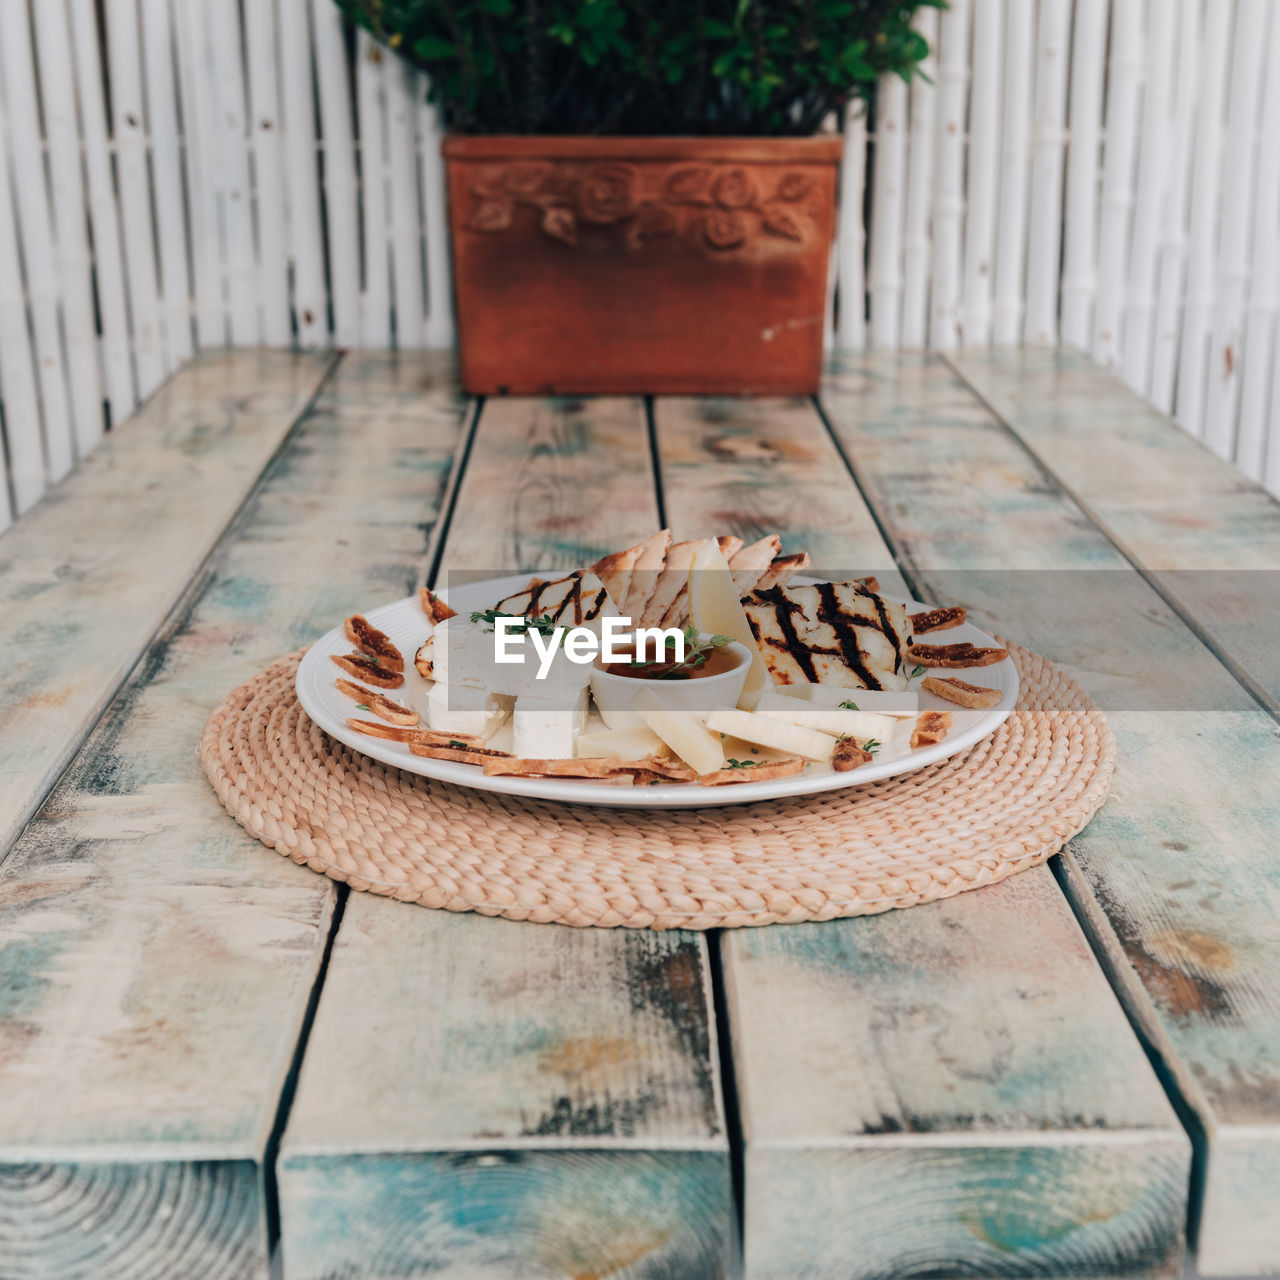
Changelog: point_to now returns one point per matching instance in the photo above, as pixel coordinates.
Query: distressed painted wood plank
(760, 466)
(87, 577)
(897, 1072)
(482, 1097)
(1177, 877)
(155, 960)
(949, 1091)
(1211, 535)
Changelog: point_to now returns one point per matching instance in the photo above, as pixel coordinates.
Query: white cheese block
(840, 722)
(462, 709)
(881, 702)
(546, 728)
(683, 731)
(472, 661)
(714, 608)
(768, 732)
(626, 744)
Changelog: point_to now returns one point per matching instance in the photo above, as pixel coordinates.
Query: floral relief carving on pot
(717, 205)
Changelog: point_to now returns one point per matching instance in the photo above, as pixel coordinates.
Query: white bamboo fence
(179, 174)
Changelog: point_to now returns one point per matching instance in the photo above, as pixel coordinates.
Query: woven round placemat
(1007, 803)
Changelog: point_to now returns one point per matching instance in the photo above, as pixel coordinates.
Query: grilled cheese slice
(831, 633)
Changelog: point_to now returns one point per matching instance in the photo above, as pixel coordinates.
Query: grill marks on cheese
(563, 600)
(791, 624)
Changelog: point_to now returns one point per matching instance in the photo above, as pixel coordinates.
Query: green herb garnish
(458, 746)
(919, 670)
(849, 705)
(363, 706)
(541, 622)
(872, 745)
(743, 764)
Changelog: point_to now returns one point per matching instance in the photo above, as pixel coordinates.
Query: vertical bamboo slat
(75, 268)
(333, 89)
(17, 361)
(371, 114)
(439, 326)
(166, 170)
(104, 222)
(1048, 145)
(1259, 382)
(1079, 268)
(949, 205)
(230, 137)
(1193, 353)
(1233, 269)
(1124, 86)
(983, 172)
(1173, 246)
(851, 291)
(406, 217)
(201, 155)
(31, 199)
(129, 130)
(1155, 186)
(884, 275)
(268, 161)
(917, 244)
(310, 302)
(1011, 241)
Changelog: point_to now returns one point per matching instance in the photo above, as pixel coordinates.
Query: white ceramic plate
(404, 622)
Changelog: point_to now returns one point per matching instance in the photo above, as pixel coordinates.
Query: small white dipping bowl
(615, 694)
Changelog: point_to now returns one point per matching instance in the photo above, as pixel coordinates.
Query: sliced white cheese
(841, 723)
(882, 702)
(547, 728)
(462, 709)
(683, 731)
(625, 744)
(768, 732)
(714, 608)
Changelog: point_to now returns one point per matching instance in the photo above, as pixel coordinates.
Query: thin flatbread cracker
(764, 772)
(782, 569)
(615, 571)
(730, 545)
(647, 574)
(527, 767)
(751, 563)
(669, 606)
(962, 693)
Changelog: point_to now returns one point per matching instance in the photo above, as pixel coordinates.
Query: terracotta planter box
(693, 265)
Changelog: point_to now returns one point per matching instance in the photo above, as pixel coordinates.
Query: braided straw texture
(1007, 803)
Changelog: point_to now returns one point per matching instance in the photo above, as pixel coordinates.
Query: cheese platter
(664, 676)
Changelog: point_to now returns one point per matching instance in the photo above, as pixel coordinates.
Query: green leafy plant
(717, 67)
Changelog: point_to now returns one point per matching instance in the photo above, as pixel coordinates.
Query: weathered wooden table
(207, 1052)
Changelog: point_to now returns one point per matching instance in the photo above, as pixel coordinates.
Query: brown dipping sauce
(716, 662)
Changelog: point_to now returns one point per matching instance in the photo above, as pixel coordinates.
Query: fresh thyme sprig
(743, 764)
(540, 622)
(849, 705)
